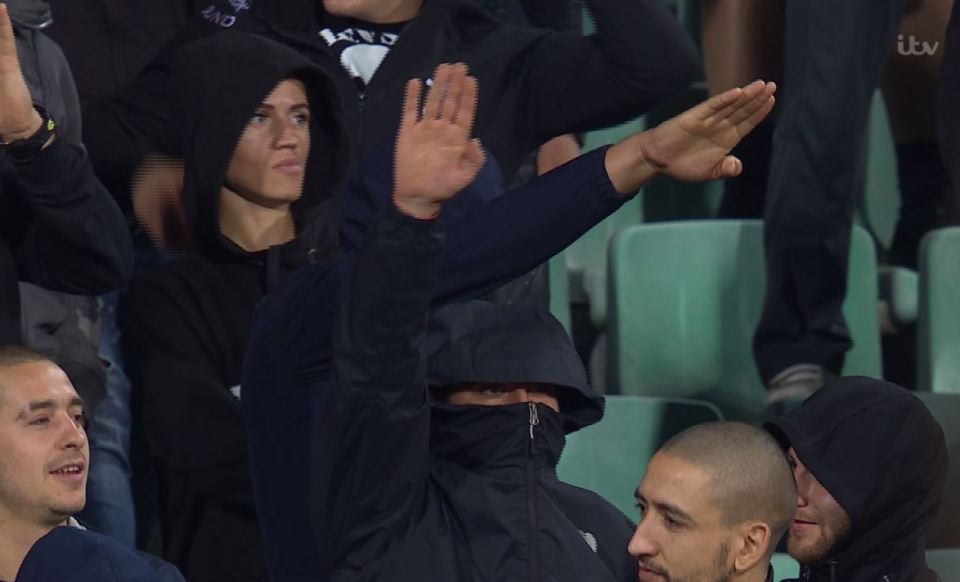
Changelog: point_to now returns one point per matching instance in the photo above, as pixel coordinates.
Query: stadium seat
(784, 567)
(946, 529)
(610, 457)
(559, 290)
(938, 320)
(684, 299)
(946, 563)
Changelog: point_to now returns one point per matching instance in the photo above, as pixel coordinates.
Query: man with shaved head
(714, 503)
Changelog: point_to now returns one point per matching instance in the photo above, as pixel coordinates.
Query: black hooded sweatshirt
(879, 452)
(186, 324)
(414, 489)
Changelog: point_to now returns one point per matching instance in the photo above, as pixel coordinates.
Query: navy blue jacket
(287, 371)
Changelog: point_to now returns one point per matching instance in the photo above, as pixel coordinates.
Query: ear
(755, 539)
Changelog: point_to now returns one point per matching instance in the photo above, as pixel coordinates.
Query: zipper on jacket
(532, 499)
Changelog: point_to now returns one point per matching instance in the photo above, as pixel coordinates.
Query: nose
(803, 482)
(641, 544)
(73, 435)
(287, 135)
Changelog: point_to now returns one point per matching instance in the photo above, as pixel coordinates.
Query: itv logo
(915, 48)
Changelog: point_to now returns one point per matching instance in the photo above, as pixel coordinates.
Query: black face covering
(488, 437)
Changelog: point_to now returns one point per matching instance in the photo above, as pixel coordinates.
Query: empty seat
(684, 299)
(611, 456)
(938, 320)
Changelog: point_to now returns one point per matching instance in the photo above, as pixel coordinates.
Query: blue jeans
(110, 508)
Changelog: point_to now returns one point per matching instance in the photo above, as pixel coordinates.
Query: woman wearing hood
(250, 135)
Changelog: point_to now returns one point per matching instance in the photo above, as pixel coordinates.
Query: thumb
(729, 167)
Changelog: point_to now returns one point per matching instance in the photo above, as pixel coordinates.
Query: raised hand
(695, 145)
(435, 156)
(18, 118)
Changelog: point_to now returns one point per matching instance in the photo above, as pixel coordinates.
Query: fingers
(467, 113)
(747, 94)
(8, 47)
(711, 107)
(435, 96)
(749, 108)
(453, 99)
(747, 125)
(411, 104)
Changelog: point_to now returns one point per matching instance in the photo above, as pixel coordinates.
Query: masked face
(269, 162)
(499, 394)
(681, 536)
(43, 445)
(820, 523)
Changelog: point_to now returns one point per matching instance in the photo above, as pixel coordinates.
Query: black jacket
(61, 235)
(878, 451)
(534, 84)
(186, 323)
(422, 490)
(108, 42)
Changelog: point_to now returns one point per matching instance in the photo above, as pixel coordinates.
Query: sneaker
(793, 385)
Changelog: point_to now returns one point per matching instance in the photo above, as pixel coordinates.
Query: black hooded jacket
(186, 324)
(415, 489)
(879, 452)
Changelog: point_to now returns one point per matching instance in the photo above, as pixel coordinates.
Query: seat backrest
(684, 299)
(784, 567)
(938, 319)
(611, 456)
(945, 532)
(946, 563)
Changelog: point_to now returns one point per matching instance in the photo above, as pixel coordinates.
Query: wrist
(29, 129)
(629, 164)
(417, 207)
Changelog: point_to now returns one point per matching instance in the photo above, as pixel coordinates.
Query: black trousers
(834, 57)
(948, 109)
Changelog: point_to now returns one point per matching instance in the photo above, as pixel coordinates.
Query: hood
(877, 449)
(33, 14)
(220, 81)
(478, 341)
(69, 554)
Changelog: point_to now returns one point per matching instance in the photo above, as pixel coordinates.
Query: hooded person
(264, 157)
(457, 480)
(870, 463)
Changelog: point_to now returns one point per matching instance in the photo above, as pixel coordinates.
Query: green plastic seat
(611, 456)
(684, 299)
(946, 563)
(938, 320)
(784, 567)
(945, 532)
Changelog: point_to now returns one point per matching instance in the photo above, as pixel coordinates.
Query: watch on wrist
(24, 151)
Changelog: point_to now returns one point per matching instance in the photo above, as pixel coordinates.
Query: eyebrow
(271, 107)
(47, 405)
(667, 508)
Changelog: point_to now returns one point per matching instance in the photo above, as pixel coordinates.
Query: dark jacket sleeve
(573, 83)
(77, 239)
(381, 390)
(191, 420)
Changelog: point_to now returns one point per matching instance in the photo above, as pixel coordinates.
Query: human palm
(695, 145)
(435, 156)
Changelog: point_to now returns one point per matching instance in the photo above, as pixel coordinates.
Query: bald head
(751, 479)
